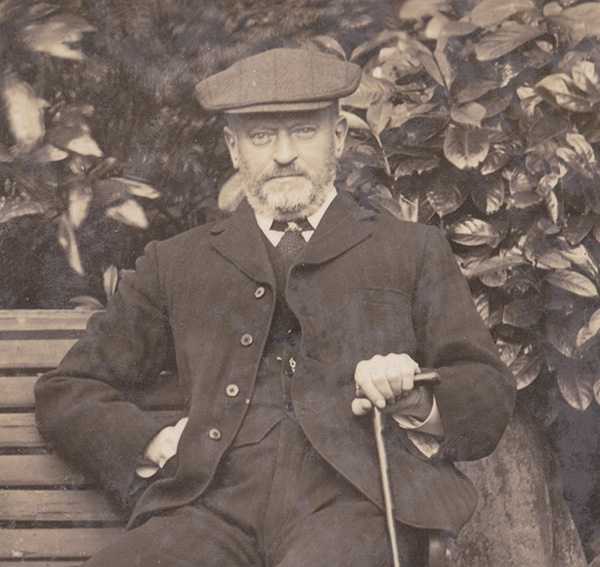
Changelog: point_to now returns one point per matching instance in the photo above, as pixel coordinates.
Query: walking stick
(430, 377)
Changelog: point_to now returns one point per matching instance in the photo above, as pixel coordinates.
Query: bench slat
(36, 470)
(55, 542)
(33, 353)
(16, 393)
(18, 430)
(56, 506)
(43, 563)
(43, 320)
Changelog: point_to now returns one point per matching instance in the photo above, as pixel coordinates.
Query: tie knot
(296, 225)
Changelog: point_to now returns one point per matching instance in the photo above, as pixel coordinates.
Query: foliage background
(478, 116)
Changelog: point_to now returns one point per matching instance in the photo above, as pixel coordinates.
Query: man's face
(288, 160)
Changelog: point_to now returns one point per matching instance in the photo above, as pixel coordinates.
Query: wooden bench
(51, 516)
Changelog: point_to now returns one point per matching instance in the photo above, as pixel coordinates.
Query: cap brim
(280, 107)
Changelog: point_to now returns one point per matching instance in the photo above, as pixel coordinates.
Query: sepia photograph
(299, 283)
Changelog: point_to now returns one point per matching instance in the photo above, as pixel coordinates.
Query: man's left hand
(388, 383)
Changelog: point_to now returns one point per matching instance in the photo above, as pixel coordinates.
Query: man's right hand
(161, 448)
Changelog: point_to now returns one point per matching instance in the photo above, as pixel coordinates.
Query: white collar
(275, 236)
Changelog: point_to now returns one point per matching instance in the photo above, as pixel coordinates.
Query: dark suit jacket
(365, 284)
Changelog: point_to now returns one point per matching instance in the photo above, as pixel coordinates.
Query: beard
(288, 192)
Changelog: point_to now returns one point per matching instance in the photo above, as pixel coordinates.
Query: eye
(260, 137)
(305, 132)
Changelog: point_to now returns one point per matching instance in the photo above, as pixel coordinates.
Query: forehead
(280, 119)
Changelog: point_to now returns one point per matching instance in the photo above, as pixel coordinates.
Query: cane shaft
(386, 485)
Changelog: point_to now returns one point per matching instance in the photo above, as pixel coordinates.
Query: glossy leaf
(495, 264)
(579, 155)
(465, 148)
(419, 10)
(24, 111)
(522, 313)
(488, 193)
(14, 209)
(586, 79)
(493, 279)
(470, 114)
(474, 232)
(482, 303)
(331, 45)
(355, 122)
(494, 161)
(580, 21)
(68, 242)
(589, 332)
(378, 116)
(561, 90)
(490, 13)
(385, 37)
(74, 139)
(581, 257)
(128, 212)
(409, 165)
(576, 384)
(573, 282)
(369, 92)
(510, 36)
(48, 154)
(562, 338)
(80, 200)
(525, 199)
(578, 227)
(508, 351)
(527, 368)
(110, 278)
(138, 188)
(56, 36)
(447, 195)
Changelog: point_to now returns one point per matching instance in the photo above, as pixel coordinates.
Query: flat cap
(277, 80)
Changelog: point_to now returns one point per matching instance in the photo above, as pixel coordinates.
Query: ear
(232, 146)
(340, 130)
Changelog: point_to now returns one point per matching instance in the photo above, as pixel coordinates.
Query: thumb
(361, 406)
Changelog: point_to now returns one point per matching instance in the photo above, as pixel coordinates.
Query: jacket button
(214, 434)
(259, 292)
(232, 390)
(246, 339)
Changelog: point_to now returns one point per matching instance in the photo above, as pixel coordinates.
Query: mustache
(285, 171)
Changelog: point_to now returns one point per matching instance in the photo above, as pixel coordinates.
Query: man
(275, 318)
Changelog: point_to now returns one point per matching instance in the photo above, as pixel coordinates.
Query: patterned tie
(292, 240)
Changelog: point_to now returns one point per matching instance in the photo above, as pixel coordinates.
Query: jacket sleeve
(85, 407)
(477, 392)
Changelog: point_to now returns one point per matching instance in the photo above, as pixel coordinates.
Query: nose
(284, 151)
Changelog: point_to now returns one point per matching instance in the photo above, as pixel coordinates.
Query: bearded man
(274, 318)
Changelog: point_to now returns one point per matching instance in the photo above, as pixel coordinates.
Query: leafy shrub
(482, 117)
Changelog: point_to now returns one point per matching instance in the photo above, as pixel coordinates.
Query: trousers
(275, 503)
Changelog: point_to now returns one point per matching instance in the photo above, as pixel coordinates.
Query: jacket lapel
(241, 241)
(343, 226)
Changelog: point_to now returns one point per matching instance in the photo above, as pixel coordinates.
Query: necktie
(292, 240)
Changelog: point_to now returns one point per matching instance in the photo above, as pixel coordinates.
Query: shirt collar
(274, 236)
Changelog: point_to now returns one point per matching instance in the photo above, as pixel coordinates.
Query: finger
(361, 406)
(363, 379)
(380, 379)
(401, 371)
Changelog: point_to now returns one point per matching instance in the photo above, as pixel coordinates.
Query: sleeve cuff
(432, 425)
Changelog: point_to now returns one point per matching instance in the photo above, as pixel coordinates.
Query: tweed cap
(278, 80)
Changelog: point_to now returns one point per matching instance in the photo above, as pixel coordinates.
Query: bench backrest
(37, 490)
